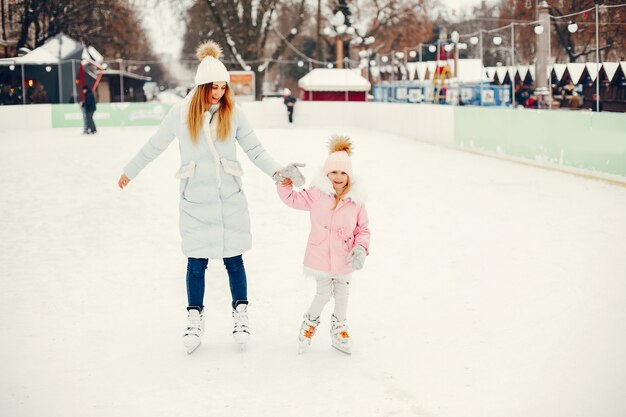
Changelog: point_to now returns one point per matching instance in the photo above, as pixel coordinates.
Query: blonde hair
(345, 191)
(200, 103)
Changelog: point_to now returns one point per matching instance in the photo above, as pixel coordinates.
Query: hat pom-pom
(209, 48)
(340, 143)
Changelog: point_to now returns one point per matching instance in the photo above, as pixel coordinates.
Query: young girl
(338, 242)
(214, 219)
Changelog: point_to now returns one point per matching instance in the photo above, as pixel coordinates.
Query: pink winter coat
(333, 232)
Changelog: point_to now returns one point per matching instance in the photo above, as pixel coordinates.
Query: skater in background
(338, 241)
(89, 108)
(214, 219)
(290, 103)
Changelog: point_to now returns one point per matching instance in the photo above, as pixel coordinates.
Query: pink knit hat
(339, 158)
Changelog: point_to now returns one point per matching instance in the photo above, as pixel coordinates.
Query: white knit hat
(339, 158)
(211, 68)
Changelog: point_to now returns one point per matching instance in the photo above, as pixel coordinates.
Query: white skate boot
(241, 331)
(340, 337)
(307, 330)
(195, 330)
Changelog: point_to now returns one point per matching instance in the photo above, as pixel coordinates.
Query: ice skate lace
(194, 327)
(341, 331)
(308, 333)
(241, 322)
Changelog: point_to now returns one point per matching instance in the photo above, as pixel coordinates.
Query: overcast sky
(456, 4)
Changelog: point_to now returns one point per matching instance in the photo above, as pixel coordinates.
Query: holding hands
(357, 257)
(290, 172)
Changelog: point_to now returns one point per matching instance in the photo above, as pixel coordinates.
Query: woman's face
(218, 89)
(339, 180)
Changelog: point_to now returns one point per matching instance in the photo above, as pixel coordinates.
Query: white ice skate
(307, 330)
(241, 331)
(194, 331)
(340, 337)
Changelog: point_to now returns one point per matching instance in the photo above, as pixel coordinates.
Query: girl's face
(218, 89)
(339, 180)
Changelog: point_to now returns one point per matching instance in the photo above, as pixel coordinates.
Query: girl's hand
(287, 181)
(123, 182)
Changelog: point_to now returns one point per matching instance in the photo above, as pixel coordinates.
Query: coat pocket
(231, 167)
(184, 173)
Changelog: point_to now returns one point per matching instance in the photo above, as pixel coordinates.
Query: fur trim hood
(357, 191)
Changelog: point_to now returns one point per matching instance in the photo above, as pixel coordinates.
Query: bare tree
(396, 24)
(245, 29)
(566, 45)
(111, 26)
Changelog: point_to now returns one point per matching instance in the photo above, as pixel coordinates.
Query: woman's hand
(286, 182)
(123, 182)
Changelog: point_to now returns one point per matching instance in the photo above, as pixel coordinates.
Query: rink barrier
(111, 114)
(578, 141)
(581, 142)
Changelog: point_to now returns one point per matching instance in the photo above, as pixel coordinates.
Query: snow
(492, 288)
(326, 79)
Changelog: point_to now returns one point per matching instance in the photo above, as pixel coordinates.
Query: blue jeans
(195, 281)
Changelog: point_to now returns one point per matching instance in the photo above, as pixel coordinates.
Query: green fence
(111, 114)
(574, 139)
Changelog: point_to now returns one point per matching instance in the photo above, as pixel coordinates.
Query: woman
(214, 219)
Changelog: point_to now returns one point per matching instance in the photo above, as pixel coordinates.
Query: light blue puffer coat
(214, 219)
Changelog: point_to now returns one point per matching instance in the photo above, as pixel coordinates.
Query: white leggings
(327, 287)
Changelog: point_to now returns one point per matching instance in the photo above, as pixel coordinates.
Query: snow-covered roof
(592, 69)
(470, 70)
(334, 79)
(59, 48)
(126, 74)
(422, 67)
(37, 57)
(610, 68)
(559, 70)
(92, 53)
(575, 71)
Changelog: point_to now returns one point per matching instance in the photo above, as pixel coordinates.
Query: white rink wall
(33, 116)
(425, 122)
(589, 144)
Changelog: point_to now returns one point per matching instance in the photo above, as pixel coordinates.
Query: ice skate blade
(303, 346)
(343, 349)
(241, 338)
(191, 343)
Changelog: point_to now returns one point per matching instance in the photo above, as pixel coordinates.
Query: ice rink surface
(492, 289)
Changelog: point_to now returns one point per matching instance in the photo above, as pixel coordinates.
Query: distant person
(594, 104)
(290, 103)
(338, 241)
(214, 219)
(522, 96)
(38, 94)
(89, 108)
(570, 97)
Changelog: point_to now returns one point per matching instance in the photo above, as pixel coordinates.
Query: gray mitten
(292, 172)
(357, 257)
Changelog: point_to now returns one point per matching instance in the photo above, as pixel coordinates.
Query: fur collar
(357, 192)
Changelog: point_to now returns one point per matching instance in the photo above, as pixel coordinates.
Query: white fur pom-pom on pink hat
(339, 159)
(211, 68)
